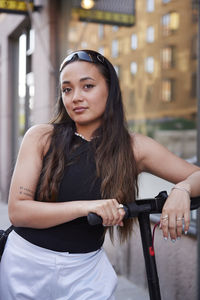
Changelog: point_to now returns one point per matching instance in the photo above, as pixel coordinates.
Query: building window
(170, 22)
(150, 5)
(30, 42)
(167, 57)
(134, 41)
(84, 45)
(133, 68)
(26, 82)
(149, 64)
(194, 85)
(195, 4)
(101, 50)
(115, 48)
(132, 99)
(150, 34)
(101, 31)
(115, 28)
(149, 92)
(166, 1)
(22, 84)
(167, 90)
(194, 47)
(118, 70)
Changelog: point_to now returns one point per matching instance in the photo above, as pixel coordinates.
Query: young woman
(84, 161)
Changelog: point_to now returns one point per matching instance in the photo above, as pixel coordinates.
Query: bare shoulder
(147, 150)
(39, 130)
(154, 158)
(140, 144)
(38, 137)
(143, 144)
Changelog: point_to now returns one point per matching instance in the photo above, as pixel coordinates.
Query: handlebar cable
(151, 248)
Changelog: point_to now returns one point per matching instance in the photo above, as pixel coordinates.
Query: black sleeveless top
(79, 182)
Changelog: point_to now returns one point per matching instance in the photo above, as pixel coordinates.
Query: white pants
(29, 272)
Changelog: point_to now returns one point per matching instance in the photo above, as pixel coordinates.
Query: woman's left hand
(175, 213)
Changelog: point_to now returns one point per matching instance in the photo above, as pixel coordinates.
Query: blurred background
(153, 45)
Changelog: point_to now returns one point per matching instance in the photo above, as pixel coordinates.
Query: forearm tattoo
(26, 192)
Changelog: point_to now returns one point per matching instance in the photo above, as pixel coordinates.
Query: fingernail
(165, 238)
(185, 232)
(173, 240)
(178, 238)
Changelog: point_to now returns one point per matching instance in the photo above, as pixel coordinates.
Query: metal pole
(149, 256)
(198, 148)
(65, 17)
(198, 86)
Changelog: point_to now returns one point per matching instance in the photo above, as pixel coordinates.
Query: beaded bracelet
(181, 189)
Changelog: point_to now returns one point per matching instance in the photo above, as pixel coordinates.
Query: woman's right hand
(109, 210)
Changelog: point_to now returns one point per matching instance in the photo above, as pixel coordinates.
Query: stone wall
(181, 142)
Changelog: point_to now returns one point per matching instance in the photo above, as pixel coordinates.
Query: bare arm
(25, 211)
(157, 160)
(154, 158)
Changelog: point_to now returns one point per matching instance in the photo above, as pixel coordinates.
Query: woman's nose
(77, 96)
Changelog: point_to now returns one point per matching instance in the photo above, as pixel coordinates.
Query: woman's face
(84, 93)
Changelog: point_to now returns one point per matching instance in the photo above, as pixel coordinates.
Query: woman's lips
(79, 109)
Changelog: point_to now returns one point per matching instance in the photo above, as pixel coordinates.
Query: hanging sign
(121, 13)
(16, 7)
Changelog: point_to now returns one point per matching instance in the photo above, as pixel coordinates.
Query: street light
(87, 4)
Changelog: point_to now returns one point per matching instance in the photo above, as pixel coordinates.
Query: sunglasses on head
(82, 55)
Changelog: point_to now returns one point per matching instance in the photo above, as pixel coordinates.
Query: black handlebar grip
(94, 219)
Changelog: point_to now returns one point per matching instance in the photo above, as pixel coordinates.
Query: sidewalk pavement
(126, 290)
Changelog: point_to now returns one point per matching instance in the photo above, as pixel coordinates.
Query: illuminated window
(101, 50)
(30, 42)
(115, 48)
(115, 28)
(167, 58)
(170, 22)
(118, 70)
(26, 87)
(134, 41)
(149, 64)
(101, 31)
(167, 90)
(150, 5)
(150, 34)
(133, 68)
(22, 84)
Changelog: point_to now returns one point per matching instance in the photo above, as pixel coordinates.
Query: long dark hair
(115, 162)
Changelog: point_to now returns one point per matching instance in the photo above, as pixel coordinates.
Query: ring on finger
(179, 219)
(120, 206)
(166, 217)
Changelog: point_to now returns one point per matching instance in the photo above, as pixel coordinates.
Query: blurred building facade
(156, 61)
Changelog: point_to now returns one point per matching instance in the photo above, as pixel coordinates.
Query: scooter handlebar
(150, 206)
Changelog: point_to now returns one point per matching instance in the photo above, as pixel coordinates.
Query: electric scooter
(142, 210)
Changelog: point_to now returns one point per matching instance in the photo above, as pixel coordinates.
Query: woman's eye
(66, 90)
(88, 86)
